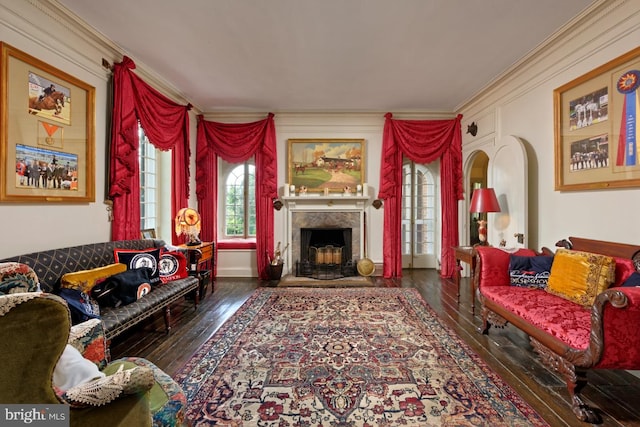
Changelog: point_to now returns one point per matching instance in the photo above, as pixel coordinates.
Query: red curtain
(422, 141)
(166, 124)
(237, 142)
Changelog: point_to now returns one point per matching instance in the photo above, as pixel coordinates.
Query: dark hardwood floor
(507, 351)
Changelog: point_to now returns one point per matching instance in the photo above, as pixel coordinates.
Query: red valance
(422, 141)
(166, 124)
(235, 143)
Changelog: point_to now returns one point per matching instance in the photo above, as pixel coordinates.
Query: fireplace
(313, 239)
(333, 222)
(325, 253)
(331, 227)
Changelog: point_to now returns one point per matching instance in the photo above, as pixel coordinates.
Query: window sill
(231, 244)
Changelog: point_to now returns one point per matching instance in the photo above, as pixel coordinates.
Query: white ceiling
(327, 55)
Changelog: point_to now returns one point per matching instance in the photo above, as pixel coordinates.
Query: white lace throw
(101, 391)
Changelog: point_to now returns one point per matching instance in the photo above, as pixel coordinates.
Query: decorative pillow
(124, 288)
(149, 258)
(522, 263)
(81, 305)
(173, 266)
(85, 280)
(530, 271)
(541, 263)
(529, 279)
(633, 280)
(16, 277)
(580, 276)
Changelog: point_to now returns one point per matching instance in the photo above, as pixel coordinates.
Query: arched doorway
(502, 165)
(477, 179)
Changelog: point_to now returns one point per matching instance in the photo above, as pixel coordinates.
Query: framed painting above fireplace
(333, 165)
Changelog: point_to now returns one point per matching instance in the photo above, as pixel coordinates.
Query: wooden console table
(466, 254)
(200, 264)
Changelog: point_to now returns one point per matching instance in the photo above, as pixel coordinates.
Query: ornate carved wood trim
(575, 380)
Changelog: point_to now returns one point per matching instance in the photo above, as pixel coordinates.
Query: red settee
(570, 338)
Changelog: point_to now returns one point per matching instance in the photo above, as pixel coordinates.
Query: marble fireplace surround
(324, 212)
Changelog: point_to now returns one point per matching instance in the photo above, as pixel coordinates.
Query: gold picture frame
(594, 116)
(47, 139)
(332, 165)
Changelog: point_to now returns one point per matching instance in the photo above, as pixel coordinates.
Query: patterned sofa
(573, 329)
(51, 265)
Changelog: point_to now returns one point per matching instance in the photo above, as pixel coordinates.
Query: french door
(419, 216)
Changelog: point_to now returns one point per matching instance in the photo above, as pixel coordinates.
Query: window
(239, 197)
(148, 183)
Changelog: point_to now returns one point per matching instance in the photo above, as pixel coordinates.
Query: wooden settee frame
(572, 364)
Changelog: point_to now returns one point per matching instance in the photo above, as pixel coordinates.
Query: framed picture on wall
(47, 139)
(596, 130)
(331, 164)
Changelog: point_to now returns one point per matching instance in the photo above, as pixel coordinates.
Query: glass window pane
(239, 199)
(148, 193)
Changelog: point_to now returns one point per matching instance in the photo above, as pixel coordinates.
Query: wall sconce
(483, 200)
(472, 129)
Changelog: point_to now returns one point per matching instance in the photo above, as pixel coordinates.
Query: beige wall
(38, 29)
(520, 103)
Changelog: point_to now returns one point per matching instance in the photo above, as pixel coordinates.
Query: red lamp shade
(484, 200)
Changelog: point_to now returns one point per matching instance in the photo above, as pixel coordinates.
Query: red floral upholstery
(495, 272)
(565, 320)
(622, 333)
(16, 277)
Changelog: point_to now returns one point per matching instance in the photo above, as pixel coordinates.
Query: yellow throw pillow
(580, 276)
(85, 280)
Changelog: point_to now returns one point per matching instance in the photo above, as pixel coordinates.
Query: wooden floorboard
(507, 351)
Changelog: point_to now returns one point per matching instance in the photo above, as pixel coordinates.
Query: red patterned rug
(344, 357)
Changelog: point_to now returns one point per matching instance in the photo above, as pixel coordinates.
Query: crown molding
(547, 59)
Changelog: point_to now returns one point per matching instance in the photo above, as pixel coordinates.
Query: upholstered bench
(50, 265)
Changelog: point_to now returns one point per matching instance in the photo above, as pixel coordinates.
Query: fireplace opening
(325, 253)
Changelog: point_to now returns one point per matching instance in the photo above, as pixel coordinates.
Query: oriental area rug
(344, 357)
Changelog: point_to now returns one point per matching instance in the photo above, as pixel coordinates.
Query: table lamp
(483, 200)
(187, 222)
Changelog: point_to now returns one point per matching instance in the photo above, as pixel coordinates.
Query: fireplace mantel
(336, 210)
(325, 203)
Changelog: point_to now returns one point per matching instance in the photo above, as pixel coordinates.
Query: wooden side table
(466, 254)
(200, 263)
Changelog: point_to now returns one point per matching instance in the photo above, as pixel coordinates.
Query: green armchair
(35, 328)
